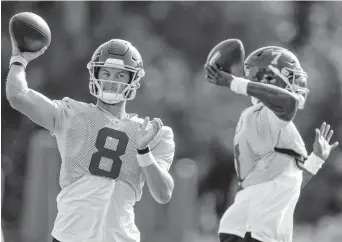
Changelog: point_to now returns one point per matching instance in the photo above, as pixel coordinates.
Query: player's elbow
(165, 192)
(14, 99)
(15, 95)
(164, 197)
(18, 101)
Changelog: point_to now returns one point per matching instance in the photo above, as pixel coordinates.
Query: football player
(271, 160)
(107, 154)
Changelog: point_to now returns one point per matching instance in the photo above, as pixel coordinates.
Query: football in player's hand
(30, 31)
(229, 55)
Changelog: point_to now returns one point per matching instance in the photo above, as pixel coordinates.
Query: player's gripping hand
(321, 146)
(215, 76)
(148, 132)
(28, 56)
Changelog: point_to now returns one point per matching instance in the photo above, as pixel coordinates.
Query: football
(229, 55)
(30, 31)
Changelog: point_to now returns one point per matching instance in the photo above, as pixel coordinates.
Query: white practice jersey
(271, 181)
(100, 176)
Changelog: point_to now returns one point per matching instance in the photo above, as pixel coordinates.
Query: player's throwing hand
(28, 56)
(148, 132)
(321, 146)
(215, 76)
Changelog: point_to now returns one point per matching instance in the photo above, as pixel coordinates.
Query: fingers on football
(34, 55)
(211, 71)
(41, 51)
(15, 49)
(210, 79)
(216, 68)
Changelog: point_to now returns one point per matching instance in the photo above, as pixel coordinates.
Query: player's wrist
(145, 157)
(143, 151)
(19, 61)
(239, 85)
(313, 163)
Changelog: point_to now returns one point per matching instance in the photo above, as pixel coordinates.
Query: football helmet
(120, 54)
(272, 63)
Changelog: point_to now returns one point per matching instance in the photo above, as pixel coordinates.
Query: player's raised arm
(37, 107)
(282, 102)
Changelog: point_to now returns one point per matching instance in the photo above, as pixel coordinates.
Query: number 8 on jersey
(114, 155)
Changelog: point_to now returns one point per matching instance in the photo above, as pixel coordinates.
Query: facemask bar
(128, 93)
(246, 73)
(292, 84)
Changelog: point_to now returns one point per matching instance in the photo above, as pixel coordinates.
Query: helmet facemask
(96, 85)
(293, 78)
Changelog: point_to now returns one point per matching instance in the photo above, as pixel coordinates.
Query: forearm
(280, 101)
(159, 181)
(16, 86)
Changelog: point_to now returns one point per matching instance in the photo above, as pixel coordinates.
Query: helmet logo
(276, 58)
(285, 72)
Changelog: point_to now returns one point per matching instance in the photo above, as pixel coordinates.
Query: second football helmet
(272, 63)
(119, 54)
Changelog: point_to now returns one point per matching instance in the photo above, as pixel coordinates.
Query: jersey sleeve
(164, 149)
(64, 110)
(268, 124)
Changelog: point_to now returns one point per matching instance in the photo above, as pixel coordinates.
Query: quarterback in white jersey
(107, 154)
(270, 155)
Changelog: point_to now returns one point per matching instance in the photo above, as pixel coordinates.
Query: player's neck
(118, 110)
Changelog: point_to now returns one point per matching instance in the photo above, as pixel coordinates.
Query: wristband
(239, 85)
(16, 63)
(18, 60)
(146, 159)
(313, 163)
(143, 151)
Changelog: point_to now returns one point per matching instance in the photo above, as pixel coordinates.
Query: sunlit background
(174, 39)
